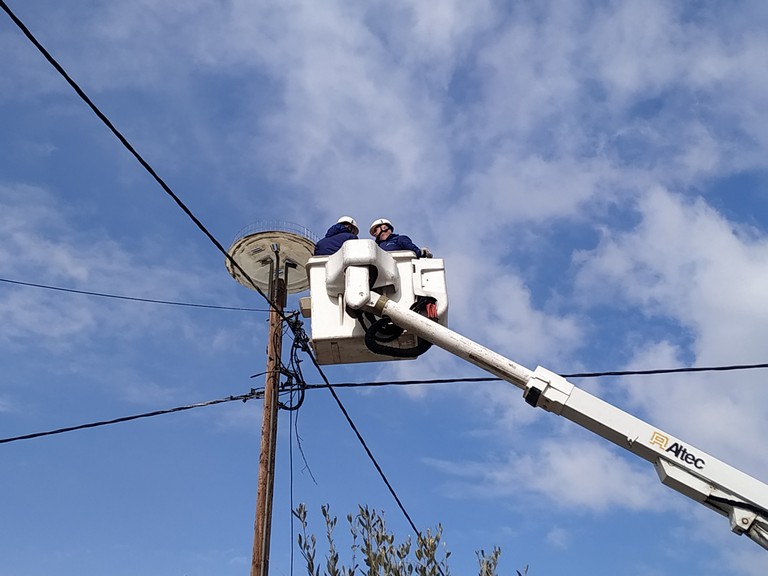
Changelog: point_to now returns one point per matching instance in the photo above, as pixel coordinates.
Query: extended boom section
(679, 465)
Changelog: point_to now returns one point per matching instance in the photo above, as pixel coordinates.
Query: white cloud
(138, 391)
(6, 405)
(572, 474)
(445, 25)
(40, 242)
(559, 537)
(516, 189)
(494, 308)
(634, 58)
(480, 130)
(686, 263)
(358, 125)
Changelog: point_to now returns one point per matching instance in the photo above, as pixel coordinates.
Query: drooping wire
(243, 397)
(296, 385)
(290, 485)
(131, 298)
(666, 371)
(360, 438)
(301, 449)
(723, 368)
(200, 225)
(128, 146)
(652, 372)
(258, 393)
(435, 381)
(292, 371)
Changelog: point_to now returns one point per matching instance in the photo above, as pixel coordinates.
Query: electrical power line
(364, 445)
(258, 393)
(648, 372)
(651, 372)
(655, 371)
(232, 261)
(667, 371)
(199, 224)
(127, 145)
(131, 298)
(244, 397)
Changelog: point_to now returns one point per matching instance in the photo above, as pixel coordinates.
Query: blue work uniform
(398, 242)
(334, 238)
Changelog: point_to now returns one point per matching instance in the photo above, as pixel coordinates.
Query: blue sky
(593, 173)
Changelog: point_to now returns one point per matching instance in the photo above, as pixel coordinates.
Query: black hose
(384, 330)
(374, 346)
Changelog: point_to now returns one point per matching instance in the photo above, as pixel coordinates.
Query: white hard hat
(348, 220)
(380, 222)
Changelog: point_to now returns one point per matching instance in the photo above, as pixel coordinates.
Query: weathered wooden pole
(263, 523)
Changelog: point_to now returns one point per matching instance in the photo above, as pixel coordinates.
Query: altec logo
(680, 451)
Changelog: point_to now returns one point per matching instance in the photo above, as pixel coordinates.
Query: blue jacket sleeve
(405, 243)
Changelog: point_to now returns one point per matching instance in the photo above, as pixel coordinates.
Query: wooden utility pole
(263, 524)
(250, 263)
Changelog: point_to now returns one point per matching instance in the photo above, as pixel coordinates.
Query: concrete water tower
(274, 257)
(272, 249)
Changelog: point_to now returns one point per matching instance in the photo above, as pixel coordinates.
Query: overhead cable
(244, 397)
(124, 141)
(259, 393)
(723, 368)
(400, 382)
(666, 371)
(651, 372)
(132, 298)
(363, 444)
(199, 224)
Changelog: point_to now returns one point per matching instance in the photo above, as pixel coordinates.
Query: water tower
(269, 250)
(274, 257)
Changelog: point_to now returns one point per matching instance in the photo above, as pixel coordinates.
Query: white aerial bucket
(338, 335)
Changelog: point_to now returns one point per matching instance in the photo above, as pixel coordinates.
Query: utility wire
(259, 393)
(367, 450)
(724, 368)
(199, 224)
(243, 397)
(574, 375)
(290, 482)
(666, 371)
(364, 445)
(254, 393)
(131, 298)
(124, 141)
(398, 382)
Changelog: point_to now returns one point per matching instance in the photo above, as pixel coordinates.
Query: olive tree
(374, 546)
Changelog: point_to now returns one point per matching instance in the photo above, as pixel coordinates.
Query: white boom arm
(704, 478)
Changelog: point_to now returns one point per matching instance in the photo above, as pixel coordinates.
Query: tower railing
(276, 226)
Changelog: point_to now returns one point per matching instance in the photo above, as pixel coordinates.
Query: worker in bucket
(344, 229)
(386, 238)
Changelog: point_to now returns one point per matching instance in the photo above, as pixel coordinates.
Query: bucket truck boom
(349, 278)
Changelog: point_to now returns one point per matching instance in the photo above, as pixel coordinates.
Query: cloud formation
(593, 174)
